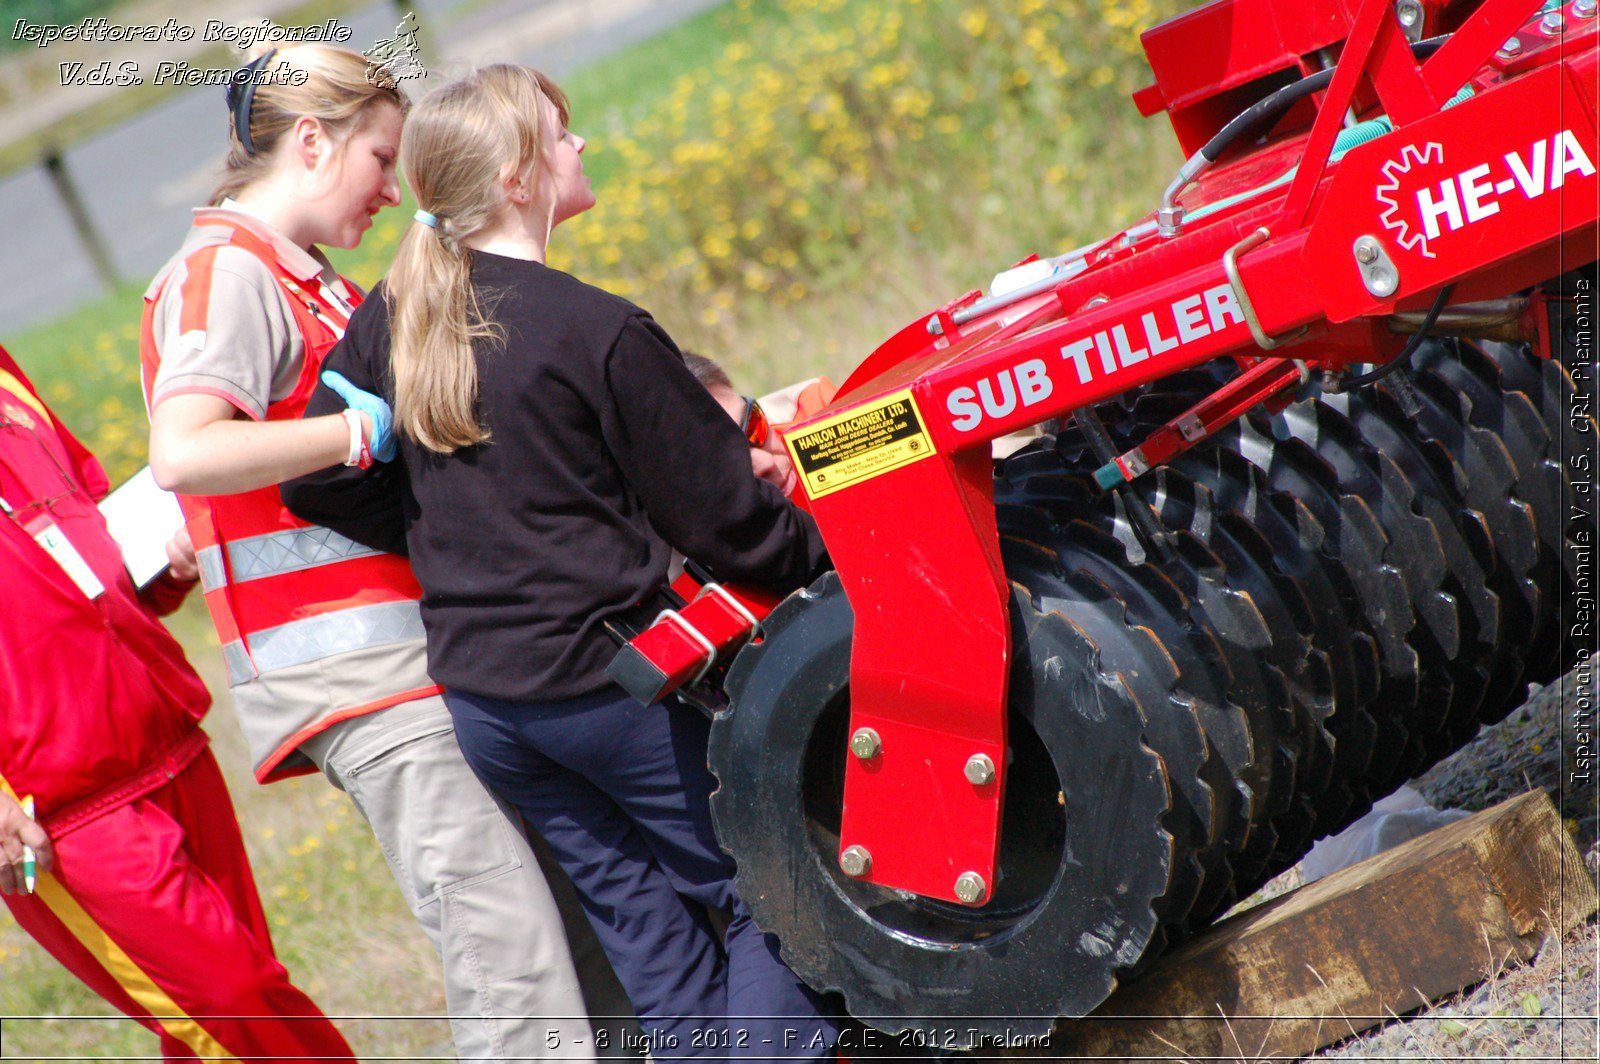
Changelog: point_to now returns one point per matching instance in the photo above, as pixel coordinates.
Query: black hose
(1361, 380)
(1284, 98)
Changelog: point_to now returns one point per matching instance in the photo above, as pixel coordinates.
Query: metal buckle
(734, 604)
(1230, 266)
(694, 635)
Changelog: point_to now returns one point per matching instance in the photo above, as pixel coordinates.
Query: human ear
(514, 185)
(309, 139)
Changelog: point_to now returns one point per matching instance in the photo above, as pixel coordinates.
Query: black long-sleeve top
(603, 450)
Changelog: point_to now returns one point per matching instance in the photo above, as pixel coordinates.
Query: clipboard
(142, 517)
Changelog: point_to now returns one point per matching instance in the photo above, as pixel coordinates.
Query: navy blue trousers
(621, 793)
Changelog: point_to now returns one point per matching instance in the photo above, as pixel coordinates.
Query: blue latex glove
(382, 442)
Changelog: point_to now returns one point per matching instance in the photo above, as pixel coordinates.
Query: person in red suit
(141, 884)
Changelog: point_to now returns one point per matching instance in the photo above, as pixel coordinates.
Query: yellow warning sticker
(859, 444)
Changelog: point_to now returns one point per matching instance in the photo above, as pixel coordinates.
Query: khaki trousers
(476, 887)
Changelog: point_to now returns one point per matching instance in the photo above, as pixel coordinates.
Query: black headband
(241, 94)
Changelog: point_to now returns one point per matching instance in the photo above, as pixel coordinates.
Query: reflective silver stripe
(212, 575)
(276, 553)
(323, 636)
(239, 668)
(290, 551)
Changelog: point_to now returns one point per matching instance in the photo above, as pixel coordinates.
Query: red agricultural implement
(1311, 501)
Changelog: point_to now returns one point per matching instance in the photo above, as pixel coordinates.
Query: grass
(783, 184)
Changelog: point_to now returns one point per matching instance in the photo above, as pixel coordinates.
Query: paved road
(141, 179)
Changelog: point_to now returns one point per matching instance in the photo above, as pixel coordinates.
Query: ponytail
(459, 144)
(434, 318)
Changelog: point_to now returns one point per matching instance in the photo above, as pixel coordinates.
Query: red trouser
(154, 907)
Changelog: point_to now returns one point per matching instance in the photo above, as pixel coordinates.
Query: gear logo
(1430, 154)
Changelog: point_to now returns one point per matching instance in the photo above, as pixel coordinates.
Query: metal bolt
(1169, 221)
(1584, 8)
(1553, 22)
(856, 861)
(971, 888)
(865, 744)
(979, 770)
(1512, 48)
(1410, 14)
(1378, 272)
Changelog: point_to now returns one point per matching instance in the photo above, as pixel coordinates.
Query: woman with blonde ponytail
(322, 636)
(554, 450)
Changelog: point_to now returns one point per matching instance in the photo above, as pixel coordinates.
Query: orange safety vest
(284, 592)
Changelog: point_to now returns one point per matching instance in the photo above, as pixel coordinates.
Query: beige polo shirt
(224, 326)
(228, 330)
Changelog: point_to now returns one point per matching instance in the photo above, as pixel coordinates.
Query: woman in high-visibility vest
(322, 636)
(554, 450)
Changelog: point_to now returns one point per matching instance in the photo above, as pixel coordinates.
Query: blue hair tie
(426, 219)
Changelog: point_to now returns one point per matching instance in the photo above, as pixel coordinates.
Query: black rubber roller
(1438, 483)
(1083, 852)
(1320, 665)
(1203, 806)
(1069, 517)
(1510, 417)
(1370, 748)
(1547, 482)
(1352, 546)
(1497, 526)
(1297, 549)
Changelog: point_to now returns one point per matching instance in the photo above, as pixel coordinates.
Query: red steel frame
(916, 545)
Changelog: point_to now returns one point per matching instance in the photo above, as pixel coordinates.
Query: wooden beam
(1348, 952)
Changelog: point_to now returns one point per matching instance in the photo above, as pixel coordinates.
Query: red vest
(284, 592)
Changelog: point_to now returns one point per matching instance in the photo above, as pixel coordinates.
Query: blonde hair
(333, 85)
(459, 144)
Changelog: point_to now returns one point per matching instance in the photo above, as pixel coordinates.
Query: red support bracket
(1472, 45)
(1372, 18)
(911, 528)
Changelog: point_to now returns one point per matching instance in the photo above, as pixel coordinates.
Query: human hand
(17, 830)
(375, 414)
(181, 560)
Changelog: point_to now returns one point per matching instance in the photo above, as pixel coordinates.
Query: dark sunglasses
(754, 423)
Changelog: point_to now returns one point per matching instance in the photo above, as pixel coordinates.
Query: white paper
(142, 518)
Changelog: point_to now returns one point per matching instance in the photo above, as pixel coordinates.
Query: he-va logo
(1458, 200)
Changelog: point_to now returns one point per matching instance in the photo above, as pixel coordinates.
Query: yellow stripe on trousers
(128, 974)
